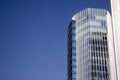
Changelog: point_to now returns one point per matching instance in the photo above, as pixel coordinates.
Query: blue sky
(33, 37)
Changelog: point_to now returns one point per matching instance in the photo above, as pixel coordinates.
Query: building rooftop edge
(73, 18)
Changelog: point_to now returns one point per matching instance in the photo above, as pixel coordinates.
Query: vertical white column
(115, 6)
(111, 52)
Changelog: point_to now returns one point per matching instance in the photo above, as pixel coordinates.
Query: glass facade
(72, 51)
(88, 51)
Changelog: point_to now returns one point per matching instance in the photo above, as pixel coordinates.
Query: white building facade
(115, 7)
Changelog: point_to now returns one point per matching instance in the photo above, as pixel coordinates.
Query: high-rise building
(115, 6)
(91, 46)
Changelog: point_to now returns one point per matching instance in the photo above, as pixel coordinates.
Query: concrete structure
(115, 7)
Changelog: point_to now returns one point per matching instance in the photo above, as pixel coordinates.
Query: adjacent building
(91, 54)
(115, 6)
